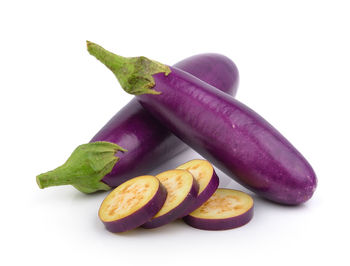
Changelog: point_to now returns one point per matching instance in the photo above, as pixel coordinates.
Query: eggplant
(132, 203)
(206, 177)
(182, 190)
(133, 142)
(223, 130)
(226, 209)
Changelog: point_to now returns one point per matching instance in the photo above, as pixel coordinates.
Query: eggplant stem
(135, 74)
(85, 168)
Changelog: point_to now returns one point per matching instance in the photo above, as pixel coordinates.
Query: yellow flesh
(201, 170)
(178, 183)
(128, 198)
(224, 203)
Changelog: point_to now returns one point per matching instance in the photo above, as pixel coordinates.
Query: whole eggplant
(133, 142)
(147, 141)
(224, 131)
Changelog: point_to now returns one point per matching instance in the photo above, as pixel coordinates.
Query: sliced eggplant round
(182, 190)
(206, 177)
(226, 209)
(132, 203)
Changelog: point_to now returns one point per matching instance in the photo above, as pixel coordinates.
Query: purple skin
(149, 143)
(206, 193)
(220, 224)
(231, 136)
(142, 215)
(214, 69)
(180, 211)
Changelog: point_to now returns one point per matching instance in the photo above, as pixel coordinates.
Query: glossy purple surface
(214, 69)
(148, 142)
(231, 136)
(180, 211)
(220, 224)
(207, 192)
(142, 215)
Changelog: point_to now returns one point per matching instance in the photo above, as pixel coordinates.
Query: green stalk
(89, 163)
(85, 168)
(133, 73)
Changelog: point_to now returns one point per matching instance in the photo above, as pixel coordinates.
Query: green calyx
(85, 168)
(133, 73)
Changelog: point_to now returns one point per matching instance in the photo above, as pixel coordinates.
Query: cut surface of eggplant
(206, 177)
(226, 209)
(182, 189)
(132, 203)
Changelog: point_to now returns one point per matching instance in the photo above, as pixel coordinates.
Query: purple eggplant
(224, 131)
(133, 142)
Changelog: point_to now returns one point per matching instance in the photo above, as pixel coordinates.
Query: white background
(294, 62)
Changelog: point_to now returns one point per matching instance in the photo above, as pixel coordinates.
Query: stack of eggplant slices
(189, 103)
